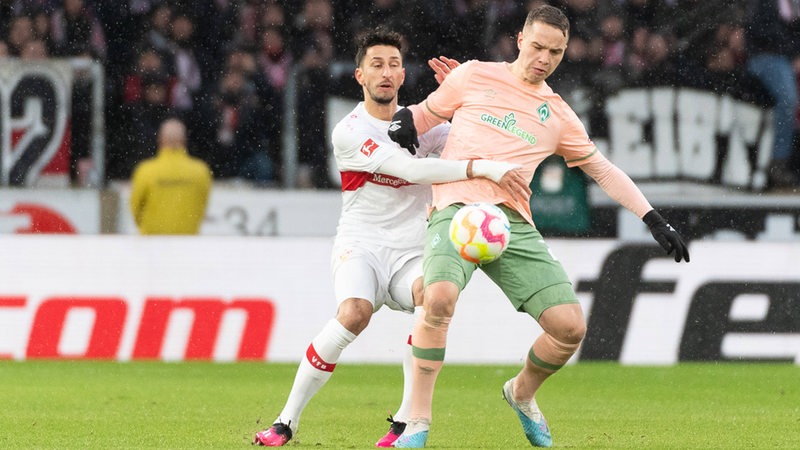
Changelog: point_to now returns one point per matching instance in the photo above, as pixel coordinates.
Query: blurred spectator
(773, 49)
(140, 11)
(314, 49)
(659, 65)
(148, 61)
(41, 25)
(214, 31)
(274, 59)
(692, 26)
(273, 15)
(636, 53)
(76, 31)
(4, 49)
(504, 47)
(583, 18)
(20, 31)
(248, 22)
(275, 64)
(188, 78)
(612, 32)
(647, 14)
(244, 61)
(610, 78)
(467, 30)
(240, 149)
(34, 49)
(576, 67)
(142, 120)
(29, 7)
(169, 192)
(574, 79)
(391, 14)
(725, 62)
(156, 33)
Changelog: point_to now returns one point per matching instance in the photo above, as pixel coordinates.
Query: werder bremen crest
(544, 111)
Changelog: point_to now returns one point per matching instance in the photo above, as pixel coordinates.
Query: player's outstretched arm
(619, 186)
(435, 170)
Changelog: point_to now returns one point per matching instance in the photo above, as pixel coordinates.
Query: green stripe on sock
(430, 354)
(544, 365)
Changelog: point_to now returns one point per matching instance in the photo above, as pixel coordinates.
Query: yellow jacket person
(169, 192)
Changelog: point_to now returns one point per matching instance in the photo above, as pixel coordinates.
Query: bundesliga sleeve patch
(369, 147)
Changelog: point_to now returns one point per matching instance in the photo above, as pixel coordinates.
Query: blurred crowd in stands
(223, 66)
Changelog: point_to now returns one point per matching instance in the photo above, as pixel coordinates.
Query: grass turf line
(87, 405)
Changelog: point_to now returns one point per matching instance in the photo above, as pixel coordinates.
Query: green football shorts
(527, 273)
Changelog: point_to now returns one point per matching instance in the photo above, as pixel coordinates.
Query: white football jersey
(378, 208)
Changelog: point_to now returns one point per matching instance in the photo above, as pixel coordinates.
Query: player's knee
(565, 340)
(435, 322)
(354, 314)
(573, 332)
(565, 323)
(440, 299)
(568, 333)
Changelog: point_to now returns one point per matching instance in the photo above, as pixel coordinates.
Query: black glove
(666, 236)
(402, 130)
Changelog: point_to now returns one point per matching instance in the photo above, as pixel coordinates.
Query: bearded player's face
(381, 73)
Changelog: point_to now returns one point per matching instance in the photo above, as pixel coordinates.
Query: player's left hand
(442, 66)
(403, 131)
(666, 236)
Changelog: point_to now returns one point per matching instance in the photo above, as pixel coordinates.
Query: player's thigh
(528, 273)
(406, 270)
(354, 275)
(442, 261)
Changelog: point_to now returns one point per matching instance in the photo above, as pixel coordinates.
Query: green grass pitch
(103, 405)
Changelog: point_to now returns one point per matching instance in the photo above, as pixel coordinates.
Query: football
(480, 232)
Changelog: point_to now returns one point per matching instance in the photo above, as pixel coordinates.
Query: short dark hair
(549, 15)
(377, 36)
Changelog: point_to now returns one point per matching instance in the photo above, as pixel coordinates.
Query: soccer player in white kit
(378, 249)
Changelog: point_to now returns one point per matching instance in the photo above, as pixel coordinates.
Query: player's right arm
(434, 170)
(358, 151)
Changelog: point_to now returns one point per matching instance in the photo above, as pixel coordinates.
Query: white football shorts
(382, 275)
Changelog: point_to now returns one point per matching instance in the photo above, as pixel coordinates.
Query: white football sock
(401, 415)
(315, 369)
